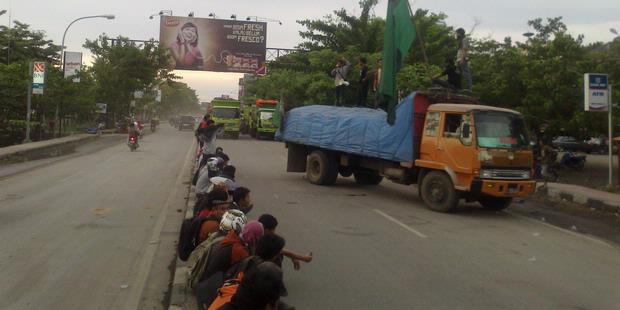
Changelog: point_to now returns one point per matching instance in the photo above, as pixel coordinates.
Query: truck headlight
(486, 173)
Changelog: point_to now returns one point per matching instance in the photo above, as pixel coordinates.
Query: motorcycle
(133, 143)
(570, 160)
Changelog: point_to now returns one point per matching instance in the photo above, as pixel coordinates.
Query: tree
(123, 68)
(341, 30)
(177, 98)
(20, 43)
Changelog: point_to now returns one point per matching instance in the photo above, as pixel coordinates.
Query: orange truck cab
(483, 150)
(459, 150)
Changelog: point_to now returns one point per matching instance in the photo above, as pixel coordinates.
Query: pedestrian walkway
(582, 195)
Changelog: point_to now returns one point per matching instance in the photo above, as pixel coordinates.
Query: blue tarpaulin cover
(360, 131)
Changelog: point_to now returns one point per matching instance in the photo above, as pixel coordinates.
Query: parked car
(570, 144)
(600, 145)
(186, 122)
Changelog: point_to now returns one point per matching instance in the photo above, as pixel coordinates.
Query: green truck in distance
(261, 125)
(227, 112)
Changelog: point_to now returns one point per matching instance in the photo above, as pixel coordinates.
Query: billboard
(38, 77)
(213, 44)
(596, 92)
(73, 65)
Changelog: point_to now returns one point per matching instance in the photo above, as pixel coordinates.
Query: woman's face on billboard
(190, 34)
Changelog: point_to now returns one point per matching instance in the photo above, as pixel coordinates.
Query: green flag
(399, 35)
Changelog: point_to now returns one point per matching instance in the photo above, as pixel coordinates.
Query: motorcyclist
(133, 132)
(154, 123)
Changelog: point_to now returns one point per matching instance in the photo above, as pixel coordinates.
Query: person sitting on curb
(228, 177)
(223, 256)
(268, 249)
(269, 224)
(242, 200)
(216, 205)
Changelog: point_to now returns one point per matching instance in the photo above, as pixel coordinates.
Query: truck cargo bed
(359, 131)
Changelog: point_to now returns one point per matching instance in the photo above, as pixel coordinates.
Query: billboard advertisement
(207, 44)
(596, 92)
(73, 65)
(38, 77)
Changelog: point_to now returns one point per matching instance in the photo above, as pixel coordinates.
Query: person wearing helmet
(223, 256)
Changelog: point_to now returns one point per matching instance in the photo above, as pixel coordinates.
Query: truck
(227, 112)
(449, 146)
(261, 119)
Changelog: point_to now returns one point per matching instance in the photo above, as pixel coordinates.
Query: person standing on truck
(363, 83)
(454, 78)
(462, 57)
(376, 81)
(340, 78)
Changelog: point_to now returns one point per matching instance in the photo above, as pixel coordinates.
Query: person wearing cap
(216, 196)
(216, 206)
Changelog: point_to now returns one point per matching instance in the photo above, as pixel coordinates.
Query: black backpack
(188, 236)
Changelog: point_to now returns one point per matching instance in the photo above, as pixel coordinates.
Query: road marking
(135, 294)
(572, 233)
(401, 224)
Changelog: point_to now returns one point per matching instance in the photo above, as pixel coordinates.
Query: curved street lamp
(62, 52)
(62, 47)
(2, 12)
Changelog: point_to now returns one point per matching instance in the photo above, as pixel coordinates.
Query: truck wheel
(367, 178)
(495, 203)
(438, 193)
(321, 169)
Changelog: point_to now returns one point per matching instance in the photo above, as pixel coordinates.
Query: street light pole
(62, 56)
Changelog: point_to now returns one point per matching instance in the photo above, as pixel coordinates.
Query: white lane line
(401, 224)
(133, 299)
(572, 233)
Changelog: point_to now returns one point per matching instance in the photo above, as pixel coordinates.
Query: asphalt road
(94, 231)
(380, 248)
(97, 231)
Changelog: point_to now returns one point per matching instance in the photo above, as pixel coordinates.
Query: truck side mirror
(465, 132)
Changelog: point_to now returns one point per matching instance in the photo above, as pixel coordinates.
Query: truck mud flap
(297, 158)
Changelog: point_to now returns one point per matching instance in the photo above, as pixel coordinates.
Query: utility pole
(29, 104)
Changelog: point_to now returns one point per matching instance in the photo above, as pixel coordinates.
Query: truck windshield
(500, 130)
(226, 113)
(266, 116)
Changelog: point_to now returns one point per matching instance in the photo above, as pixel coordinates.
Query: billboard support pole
(29, 105)
(610, 139)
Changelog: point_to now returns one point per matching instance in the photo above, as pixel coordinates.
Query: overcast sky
(498, 18)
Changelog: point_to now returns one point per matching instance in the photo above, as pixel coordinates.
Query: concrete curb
(589, 202)
(43, 149)
(179, 292)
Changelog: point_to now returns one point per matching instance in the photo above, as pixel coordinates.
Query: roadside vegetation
(540, 75)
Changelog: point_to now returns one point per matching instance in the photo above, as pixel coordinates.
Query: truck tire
(495, 203)
(367, 178)
(438, 193)
(321, 169)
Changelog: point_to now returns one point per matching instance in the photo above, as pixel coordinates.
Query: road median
(43, 149)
